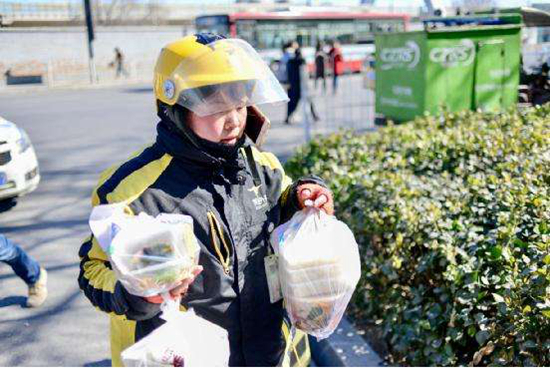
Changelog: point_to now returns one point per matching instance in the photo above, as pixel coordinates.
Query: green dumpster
(459, 67)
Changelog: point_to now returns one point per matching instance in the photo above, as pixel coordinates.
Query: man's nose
(232, 120)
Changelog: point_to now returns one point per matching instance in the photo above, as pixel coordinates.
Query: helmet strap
(175, 115)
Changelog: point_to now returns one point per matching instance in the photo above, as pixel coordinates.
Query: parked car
(19, 172)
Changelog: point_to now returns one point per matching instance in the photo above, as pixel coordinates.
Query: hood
(9, 132)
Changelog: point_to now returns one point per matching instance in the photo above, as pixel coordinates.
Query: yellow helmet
(209, 74)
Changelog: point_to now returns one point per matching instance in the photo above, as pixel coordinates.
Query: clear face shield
(229, 74)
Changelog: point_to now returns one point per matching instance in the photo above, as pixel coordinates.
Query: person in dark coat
(205, 163)
(294, 67)
(320, 60)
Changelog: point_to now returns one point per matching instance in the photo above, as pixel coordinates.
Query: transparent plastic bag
(149, 255)
(319, 268)
(185, 340)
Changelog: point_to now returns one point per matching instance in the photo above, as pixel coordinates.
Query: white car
(18, 165)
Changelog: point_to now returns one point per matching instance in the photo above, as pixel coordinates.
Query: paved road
(77, 134)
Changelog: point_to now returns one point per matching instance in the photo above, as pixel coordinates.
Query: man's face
(224, 127)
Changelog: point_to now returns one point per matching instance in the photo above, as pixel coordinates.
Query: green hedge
(452, 215)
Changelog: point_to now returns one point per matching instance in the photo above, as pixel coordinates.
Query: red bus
(268, 32)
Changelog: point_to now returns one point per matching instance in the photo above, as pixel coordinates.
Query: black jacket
(236, 202)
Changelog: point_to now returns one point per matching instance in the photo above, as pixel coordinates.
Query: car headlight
(23, 143)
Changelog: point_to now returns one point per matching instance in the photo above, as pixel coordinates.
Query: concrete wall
(59, 53)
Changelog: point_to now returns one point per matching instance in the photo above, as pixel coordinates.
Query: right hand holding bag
(319, 268)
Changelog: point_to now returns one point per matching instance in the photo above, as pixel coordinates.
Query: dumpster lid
(471, 28)
(476, 20)
(535, 17)
(532, 17)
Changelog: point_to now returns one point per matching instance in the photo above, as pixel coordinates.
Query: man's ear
(257, 125)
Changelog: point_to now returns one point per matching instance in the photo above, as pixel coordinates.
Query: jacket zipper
(217, 232)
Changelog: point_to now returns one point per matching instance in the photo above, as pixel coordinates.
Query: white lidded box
(319, 269)
(150, 255)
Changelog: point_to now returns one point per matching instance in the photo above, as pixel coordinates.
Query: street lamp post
(91, 37)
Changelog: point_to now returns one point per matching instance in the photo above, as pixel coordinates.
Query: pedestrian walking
(118, 62)
(282, 73)
(305, 95)
(27, 269)
(205, 163)
(336, 60)
(320, 61)
(294, 70)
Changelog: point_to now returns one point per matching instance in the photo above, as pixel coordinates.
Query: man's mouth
(231, 140)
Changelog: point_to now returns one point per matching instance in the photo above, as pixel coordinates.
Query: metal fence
(325, 109)
(349, 106)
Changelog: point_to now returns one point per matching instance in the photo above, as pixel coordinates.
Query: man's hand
(314, 195)
(180, 290)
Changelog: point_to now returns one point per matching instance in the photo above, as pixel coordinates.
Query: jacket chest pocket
(260, 231)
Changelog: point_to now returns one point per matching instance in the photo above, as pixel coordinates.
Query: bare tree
(121, 12)
(473, 5)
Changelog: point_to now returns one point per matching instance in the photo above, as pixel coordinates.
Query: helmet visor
(225, 75)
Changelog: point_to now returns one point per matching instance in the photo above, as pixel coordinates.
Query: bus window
(218, 24)
(363, 31)
(344, 31)
(273, 34)
(387, 25)
(246, 29)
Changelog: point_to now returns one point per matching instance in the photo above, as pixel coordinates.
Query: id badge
(273, 282)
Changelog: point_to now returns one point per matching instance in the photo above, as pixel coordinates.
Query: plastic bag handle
(170, 307)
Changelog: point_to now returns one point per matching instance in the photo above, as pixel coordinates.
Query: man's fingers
(180, 290)
(305, 193)
(314, 195)
(156, 299)
(197, 270)
(320, 201)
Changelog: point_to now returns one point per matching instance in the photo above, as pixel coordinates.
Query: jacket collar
(179, 145)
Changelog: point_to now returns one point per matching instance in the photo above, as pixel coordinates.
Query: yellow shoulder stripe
(137, 182)
(269, 160)
(106, 174)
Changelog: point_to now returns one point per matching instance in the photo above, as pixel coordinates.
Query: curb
(344, 348)
(24, 88)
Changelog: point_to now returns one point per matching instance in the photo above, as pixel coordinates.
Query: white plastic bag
(149, 255)
(319, 268)
(185, 340)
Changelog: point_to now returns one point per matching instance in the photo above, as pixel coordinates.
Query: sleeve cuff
(310, 179)
(138, 309)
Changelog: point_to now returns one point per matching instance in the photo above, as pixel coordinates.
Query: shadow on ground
(7, 204)
(139, 90)
(99, 363)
